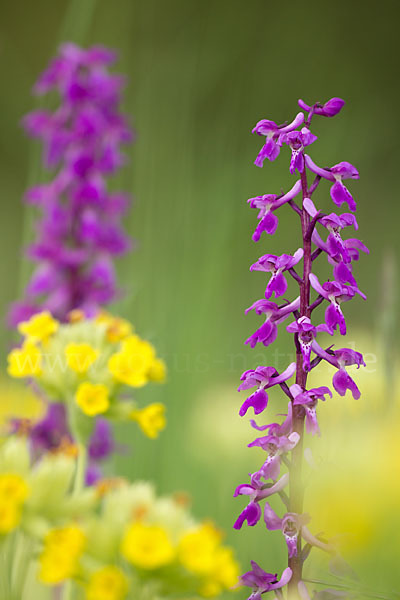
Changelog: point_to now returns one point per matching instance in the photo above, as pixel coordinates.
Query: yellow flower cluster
(63, 548)
(121, 535)
(150, 544)
(13, 492)
(86, 361)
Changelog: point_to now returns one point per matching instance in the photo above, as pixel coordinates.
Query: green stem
(79, 484)
(67, 593)
(79, 481)
(22, 561)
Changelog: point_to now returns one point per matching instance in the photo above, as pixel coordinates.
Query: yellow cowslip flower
(25, 361)
(147, 546)
(80, 357)
(150, 419)
(13, 488)
(117, 329)
(10, 516)
(132, 364)
(39, 327)
(92, 398)
(108, 583)
(125, 370)
(158, 371)
(63, 548)
(197, 549)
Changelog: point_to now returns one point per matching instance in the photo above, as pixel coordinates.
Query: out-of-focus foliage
(201, 75)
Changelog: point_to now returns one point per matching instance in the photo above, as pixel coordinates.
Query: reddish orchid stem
(296, 489)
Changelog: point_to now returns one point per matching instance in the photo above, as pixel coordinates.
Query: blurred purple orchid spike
(79, 232)
(280, 473)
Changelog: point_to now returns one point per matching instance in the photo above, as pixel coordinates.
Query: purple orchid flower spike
(263, 378)
(309, 400)
(262, 582)
(276, 265)
(339, 192)
(331, 108)
(283, 442)
(267, 204)
(306, 333)
(266, 334)
(297, 140)
(335, 293)
(290, 525)
(272, 131)
(80, 229)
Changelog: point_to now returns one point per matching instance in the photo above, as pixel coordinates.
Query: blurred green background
(201, 74)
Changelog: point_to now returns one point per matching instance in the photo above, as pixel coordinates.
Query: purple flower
(272, 131)
(51, 432)
(290, 525)
(309, 399)
(251, 515)
(343, 170)
(266, 334)
(342, 271)
(341, 380)
(297, 140)
(101, 443)
(80, 229)
(336, 248)
(276, 428)
(267, 204)
(252, 512)
(270, 263)
(331, 108)
(341, 359)
(93, 474)
(262, 582)
(275, 446)
(263, 378)
(306, 333)
(339, 192)
(336, 294)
